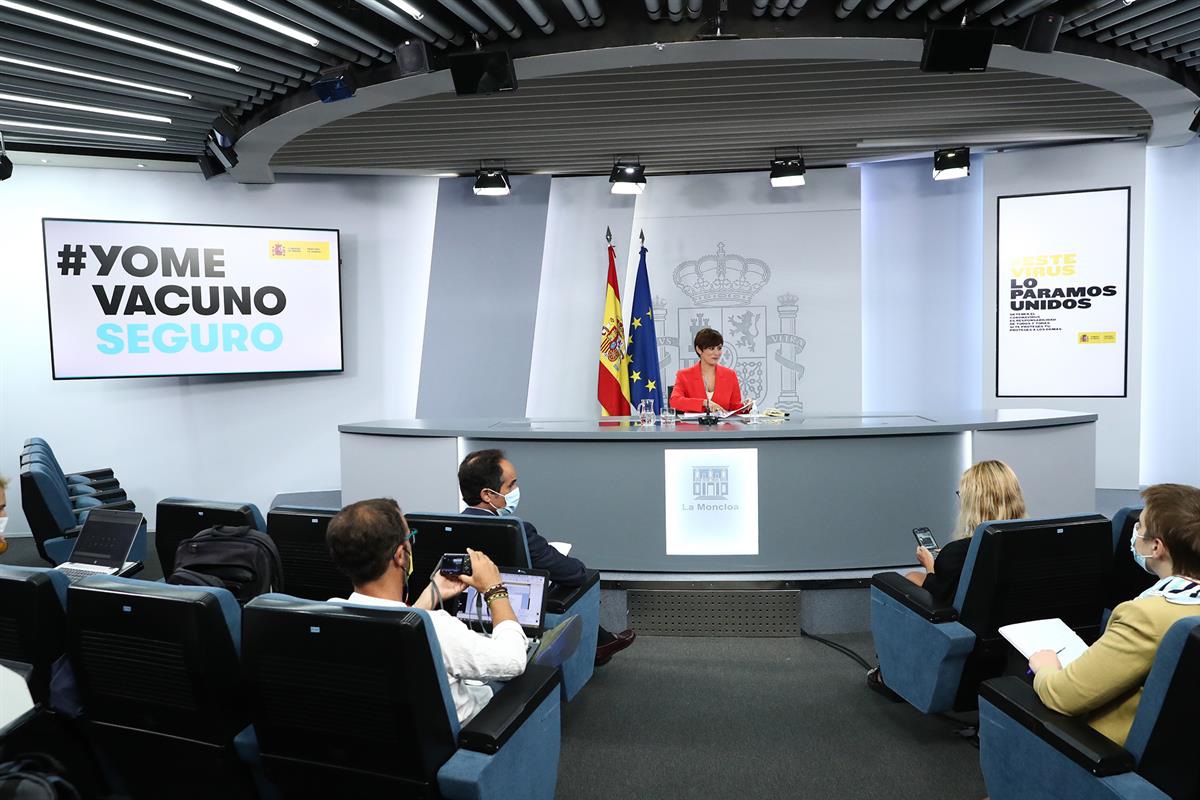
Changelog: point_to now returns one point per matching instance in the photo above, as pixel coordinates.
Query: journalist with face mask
(1105, 683)
(488, 483)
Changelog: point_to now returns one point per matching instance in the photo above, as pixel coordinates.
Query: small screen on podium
(711, 502)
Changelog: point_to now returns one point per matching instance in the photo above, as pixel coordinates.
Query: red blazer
(688, 394)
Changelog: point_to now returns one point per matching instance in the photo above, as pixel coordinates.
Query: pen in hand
(1029, 672)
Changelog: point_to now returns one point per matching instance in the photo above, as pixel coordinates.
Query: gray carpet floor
(737, 718)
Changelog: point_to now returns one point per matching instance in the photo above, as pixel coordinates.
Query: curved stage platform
(816, 494)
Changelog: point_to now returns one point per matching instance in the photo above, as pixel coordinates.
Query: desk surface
(794, 427)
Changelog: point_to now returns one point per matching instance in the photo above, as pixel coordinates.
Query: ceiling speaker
(485, 72)
(1040, 32)
(957, 49)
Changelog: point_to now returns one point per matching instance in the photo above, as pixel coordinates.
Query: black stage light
(628, 177)
(957, 49)
(952, 163)
(786, 172)
(6, 167)
(209, 166)
(335, 83)
(492, 182)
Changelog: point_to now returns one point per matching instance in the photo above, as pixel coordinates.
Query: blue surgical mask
(510, 502)
(1138, 557)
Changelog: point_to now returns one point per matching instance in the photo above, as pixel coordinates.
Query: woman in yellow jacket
(1105, 683)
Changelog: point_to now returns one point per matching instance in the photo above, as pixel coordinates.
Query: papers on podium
(1045, 634)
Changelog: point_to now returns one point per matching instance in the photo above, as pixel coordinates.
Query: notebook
(1045, 634)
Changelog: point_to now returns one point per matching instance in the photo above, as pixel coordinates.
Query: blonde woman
(988, 490)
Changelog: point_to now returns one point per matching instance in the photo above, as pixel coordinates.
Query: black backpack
(237, 557)
(35, 776)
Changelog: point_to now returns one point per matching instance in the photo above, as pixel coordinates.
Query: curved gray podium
(783, 496)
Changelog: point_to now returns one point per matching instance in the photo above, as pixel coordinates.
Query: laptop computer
(527, 593)
(103, 545)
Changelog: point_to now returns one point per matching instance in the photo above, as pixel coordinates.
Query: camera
(454, 564)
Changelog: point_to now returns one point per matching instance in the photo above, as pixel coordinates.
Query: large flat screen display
(145, 299)
(1062, 294)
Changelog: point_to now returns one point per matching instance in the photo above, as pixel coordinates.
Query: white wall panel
(221, 438)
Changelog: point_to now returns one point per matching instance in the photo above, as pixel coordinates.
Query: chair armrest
(72, 533)
(125, 505)
(1070, 736)
(913, 597)
(116, 494)
(101, 484)
(96, 474)
(560, 598)
(505, 712)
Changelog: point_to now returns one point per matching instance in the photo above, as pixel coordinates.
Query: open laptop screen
(106, 538)
(526, 592)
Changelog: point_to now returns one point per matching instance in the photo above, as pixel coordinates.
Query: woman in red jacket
(707, 386)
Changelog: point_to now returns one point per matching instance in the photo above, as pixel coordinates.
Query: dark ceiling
(151, 78)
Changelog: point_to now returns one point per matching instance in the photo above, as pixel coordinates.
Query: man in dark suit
(488, 482)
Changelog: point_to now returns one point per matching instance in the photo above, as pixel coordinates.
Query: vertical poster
(1062, 275)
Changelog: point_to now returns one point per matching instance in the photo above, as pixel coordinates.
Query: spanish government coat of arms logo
(721, 288)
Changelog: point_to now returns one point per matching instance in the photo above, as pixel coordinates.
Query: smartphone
(455, 564)
(926, 540)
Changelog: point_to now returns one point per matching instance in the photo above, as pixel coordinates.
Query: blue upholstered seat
(353, 701)
(1126, 579)
(33, 604)
(54, 520)
(160, 682)
(934, 656)
(1028, 752)
(180, 518)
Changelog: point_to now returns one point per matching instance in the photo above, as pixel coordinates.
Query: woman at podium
(707, 386)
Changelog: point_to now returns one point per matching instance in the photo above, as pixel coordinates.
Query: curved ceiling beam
(1170, 105)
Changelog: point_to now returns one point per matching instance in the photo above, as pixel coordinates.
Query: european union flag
(643, 344)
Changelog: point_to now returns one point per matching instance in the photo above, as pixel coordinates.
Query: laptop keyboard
(73, 574)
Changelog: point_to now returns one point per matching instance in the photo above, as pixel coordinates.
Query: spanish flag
(612, 385)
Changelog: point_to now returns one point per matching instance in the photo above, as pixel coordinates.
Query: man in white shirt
(371, 543)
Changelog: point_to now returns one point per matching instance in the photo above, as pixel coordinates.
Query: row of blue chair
(942, 658)
(56, 503)
(184, 693)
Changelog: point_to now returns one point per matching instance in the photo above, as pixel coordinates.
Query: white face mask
(510, 501)
(1138, 557)
(3, 524)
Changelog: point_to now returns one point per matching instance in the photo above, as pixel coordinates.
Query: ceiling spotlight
(628, 177)
(787, 171)
(492, 182)
(952, 163)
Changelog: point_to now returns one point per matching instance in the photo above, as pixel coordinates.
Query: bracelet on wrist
(492, 591)
(495, 597)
